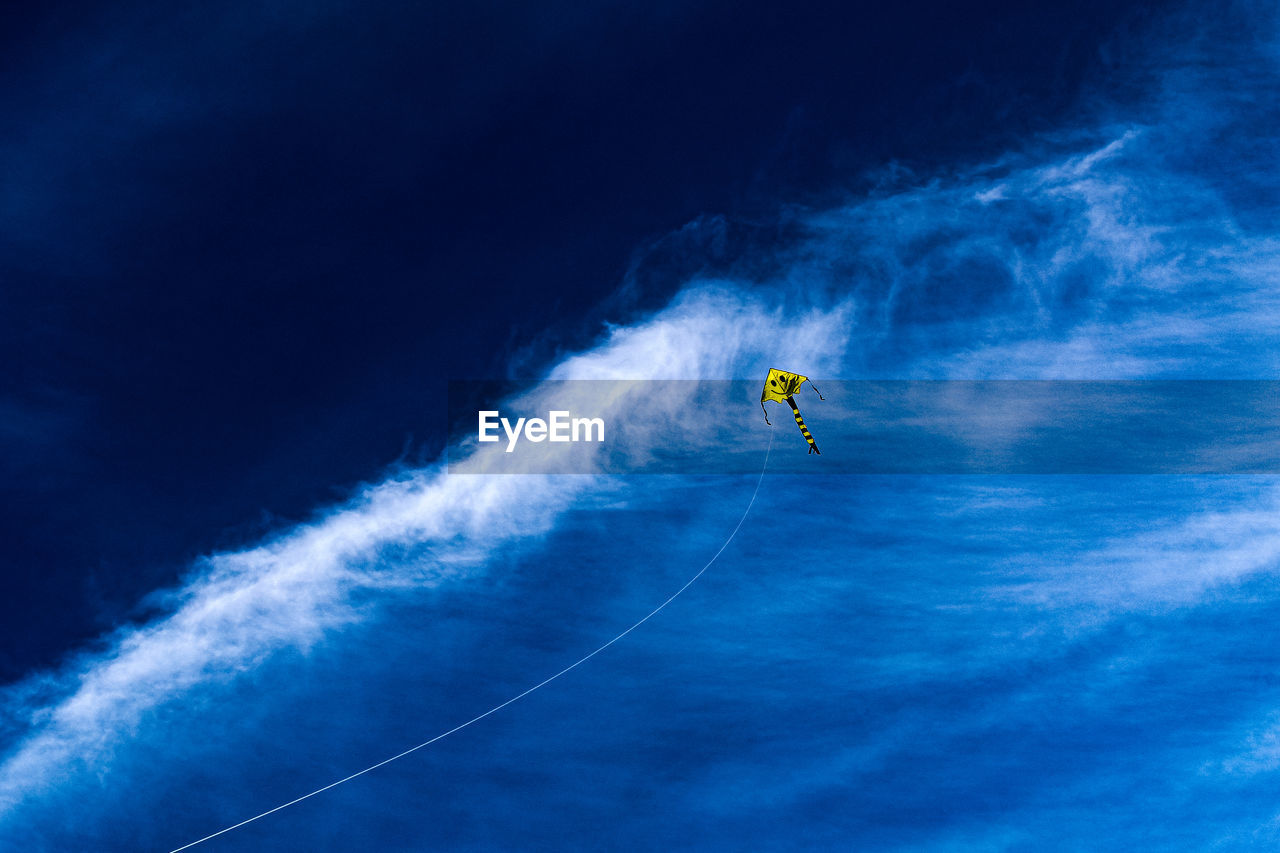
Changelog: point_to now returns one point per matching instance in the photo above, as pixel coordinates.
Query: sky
(251, 254)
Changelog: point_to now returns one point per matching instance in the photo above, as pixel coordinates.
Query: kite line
(518, 696)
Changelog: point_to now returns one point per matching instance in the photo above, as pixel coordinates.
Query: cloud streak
(239, 608)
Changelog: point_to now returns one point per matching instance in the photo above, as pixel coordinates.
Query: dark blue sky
(244, 246)
(245, 251)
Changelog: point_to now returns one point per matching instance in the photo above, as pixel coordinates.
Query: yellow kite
(779, 387)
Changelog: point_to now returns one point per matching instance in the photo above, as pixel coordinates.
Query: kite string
(518, 696)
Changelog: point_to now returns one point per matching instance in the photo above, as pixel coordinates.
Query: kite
(779, 387)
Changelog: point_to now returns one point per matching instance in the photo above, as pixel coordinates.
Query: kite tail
(816, 391)
(804, 430)
(766, 412)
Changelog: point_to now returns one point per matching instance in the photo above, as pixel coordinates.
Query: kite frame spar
(519, 696)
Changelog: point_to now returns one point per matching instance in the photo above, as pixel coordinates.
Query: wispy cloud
(239, 608)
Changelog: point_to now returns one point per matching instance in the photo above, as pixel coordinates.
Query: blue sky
(245, 250)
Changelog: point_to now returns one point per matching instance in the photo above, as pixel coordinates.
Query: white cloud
(1166, 558)
(239, 608)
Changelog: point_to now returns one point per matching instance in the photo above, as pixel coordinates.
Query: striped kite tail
(804, 430)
